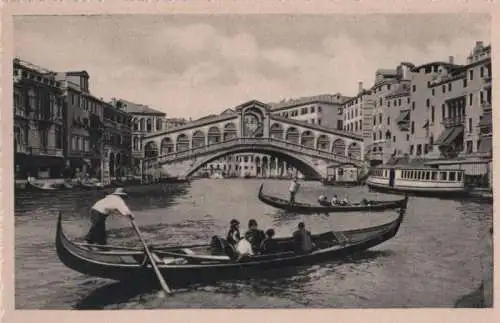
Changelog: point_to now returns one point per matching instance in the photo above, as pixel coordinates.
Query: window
(380, 118)
(481, 71)
(432, 114)
(411, 150)
(374, 120)
(388, 121)
(374, 136)
(407, 137)
(481, 96)
(427, 103)
(449, 86)
(419, 149)
(465, 82)
(319, 122)
(459, 176)
(412, 127)
(303, 111)
(413, 105)
(471, 75)
(312, 120)
(434, 176)
(312, 109)
(442, 176)
(427, 175)
(319, 109)
(414, 88)
(393, 138)
(399, 102)
(433, 92)
(443, 88)
(452, 176)
(470, 124)
(471, 97)
(443, 111)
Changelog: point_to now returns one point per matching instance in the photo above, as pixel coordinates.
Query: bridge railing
(196, 151)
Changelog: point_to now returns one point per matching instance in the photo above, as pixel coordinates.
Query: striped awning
(403, 116)
(448, 135)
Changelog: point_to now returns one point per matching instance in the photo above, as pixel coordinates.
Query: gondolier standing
(110, 205)
(294, 187)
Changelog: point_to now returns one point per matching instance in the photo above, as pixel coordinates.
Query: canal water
(433, 260)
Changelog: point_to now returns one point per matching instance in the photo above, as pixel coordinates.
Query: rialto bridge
(250, 127)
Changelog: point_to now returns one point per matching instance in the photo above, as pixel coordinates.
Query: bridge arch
(166, 146)
(213, 135)
(323, 142)
(300, 163)
(150, 149)
(338, 147)
(307, 139)
(182, 142)
(354, 151)
(292, 135)
(198, 139)
(229, 131)
(276, 131)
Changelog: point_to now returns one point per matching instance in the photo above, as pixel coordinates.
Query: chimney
(360, 87)
(451, 60)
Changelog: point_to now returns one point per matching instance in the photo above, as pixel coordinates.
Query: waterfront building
(117, 141)
(83, 124)
(38, 121)
(324, 110)
(144, 120)
(352, 111)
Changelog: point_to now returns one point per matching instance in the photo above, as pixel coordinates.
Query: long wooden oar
(163, 284)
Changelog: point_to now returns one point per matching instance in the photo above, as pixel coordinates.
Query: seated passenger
(254, 235)
(269, 245)
(334, 200)
(244, 249)
(346, 201)
(323, 200)
(233, 236)
(302, 240)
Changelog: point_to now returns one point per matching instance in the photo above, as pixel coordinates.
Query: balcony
(44, 151)
(454, 121)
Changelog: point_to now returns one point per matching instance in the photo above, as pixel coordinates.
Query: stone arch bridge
(250, 127)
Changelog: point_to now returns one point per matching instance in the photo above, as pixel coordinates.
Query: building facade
(324, 110)
(144, 120)
(117, 142)
(38, 121)
(84, 126)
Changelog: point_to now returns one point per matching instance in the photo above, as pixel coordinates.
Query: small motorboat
(306, 208)
(207, 263)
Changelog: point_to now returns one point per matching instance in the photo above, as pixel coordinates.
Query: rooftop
(321, 98)
(135, 108)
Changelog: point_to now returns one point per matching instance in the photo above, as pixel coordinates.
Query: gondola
(305, 208)
(185, 265)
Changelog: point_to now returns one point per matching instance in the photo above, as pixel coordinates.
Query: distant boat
(45, 186)
(420, 181)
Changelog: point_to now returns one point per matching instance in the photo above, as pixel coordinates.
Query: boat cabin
(342, 173)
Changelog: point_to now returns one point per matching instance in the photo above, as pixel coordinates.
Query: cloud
(194, 66)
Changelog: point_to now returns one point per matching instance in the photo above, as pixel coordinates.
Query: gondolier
(109, 205)
(294, 187)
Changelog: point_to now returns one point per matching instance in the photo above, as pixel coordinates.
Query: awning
(486, 145)
(448, 135)
(403, 116)
(426, 124)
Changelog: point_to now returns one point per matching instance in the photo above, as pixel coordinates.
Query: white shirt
(111, 203)
(294, 186)
(244, 247)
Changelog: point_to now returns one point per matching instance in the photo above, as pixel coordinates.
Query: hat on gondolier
(119, 191)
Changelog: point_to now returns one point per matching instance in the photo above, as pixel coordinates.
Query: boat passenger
(334, 200)
(294, 187)
(302, 240)
(269, 245)
(346, 201)
(244, 249)
(323, 200)
(254, 235)
(110, 205)
(233, 236)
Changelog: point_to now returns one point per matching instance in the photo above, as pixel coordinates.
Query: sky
(195, 65)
